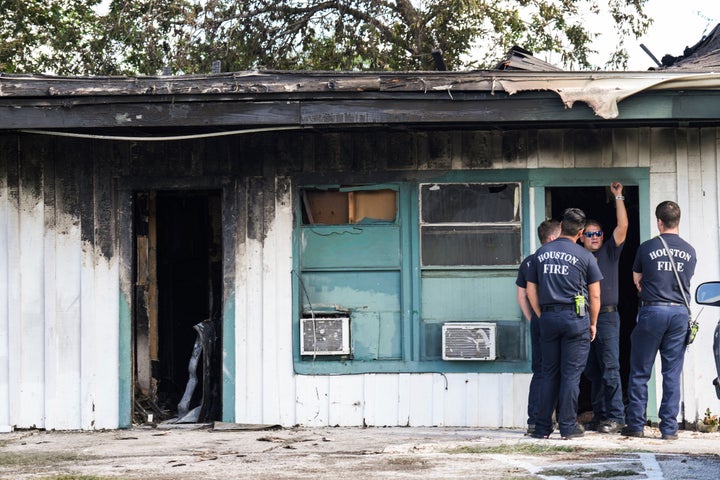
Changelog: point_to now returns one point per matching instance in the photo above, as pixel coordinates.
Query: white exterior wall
(59, 311)
(688, 174)
(683, 167)
(8, 220)
(58, 320)
(267, 390)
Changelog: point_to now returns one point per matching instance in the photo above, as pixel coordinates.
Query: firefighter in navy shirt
(603, 365)
(564, 290)
(661, 324)
(547, 231)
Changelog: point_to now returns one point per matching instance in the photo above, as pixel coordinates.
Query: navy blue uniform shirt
(521, 280)
(658, 280)
(608, 258)
(562, 269)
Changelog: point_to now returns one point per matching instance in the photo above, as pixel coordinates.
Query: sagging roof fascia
(604, 94)
(601, 91)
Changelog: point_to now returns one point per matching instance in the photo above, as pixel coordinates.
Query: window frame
(412, 274)
(516, 225)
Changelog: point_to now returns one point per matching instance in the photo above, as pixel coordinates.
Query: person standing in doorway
(563, 287)
(662, 322)
(547, 231)
(603, 365)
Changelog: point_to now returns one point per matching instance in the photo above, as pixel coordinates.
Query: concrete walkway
(235, 451)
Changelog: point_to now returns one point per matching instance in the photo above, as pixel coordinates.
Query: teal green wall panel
(367, 290)
(372, 299)
(487, 296)
(398, 307)
(510, 344)
(376, 336)
(350, 246)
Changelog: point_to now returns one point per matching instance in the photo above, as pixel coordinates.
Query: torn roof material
(704, 56)
(257, 98)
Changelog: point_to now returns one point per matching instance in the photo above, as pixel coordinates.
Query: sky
(677, 24)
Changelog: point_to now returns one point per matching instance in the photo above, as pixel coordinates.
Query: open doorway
(177, 306)
(598, 203)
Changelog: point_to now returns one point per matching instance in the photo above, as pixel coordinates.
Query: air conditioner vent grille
(325, 336)
(468, 341)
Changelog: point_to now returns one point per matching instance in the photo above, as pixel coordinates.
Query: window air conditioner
(325, 336)
(468, 341)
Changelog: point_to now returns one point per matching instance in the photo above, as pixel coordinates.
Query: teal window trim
(510, 225)
(533, 184)
(541, 178)
(411, 274)
(467, 268)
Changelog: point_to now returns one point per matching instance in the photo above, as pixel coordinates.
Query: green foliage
(46, 35)
(584, 472)
(710, 418)
(517, 449)
(186, 36)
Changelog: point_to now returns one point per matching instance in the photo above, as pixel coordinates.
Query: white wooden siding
(59, 307)
(8, 222)
(683, 167)
(59, 310)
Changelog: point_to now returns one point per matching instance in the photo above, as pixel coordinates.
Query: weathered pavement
(331, 453)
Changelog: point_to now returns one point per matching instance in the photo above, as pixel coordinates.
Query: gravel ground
(238, 451)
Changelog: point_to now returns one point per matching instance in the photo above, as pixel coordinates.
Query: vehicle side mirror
(708, 293)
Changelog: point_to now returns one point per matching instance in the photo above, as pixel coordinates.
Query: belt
(608, 309)
(661, 304)
(556, 307)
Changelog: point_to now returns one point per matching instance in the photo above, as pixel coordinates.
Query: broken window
(349, 205)
(470, 224)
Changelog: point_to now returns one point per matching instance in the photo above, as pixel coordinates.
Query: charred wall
(66, 219)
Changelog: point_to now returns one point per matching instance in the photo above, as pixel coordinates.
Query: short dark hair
(669, 212)
(548, 228)
(591, 221)
(573, 220)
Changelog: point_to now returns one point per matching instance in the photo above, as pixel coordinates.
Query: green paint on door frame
(124, 363)
(228, 360)
(581, 177)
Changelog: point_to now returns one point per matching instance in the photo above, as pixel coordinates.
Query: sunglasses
(593, 234)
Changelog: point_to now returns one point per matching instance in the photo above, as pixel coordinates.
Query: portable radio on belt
(580, 305)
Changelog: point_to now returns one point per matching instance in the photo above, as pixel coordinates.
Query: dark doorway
(598, 203)
(178, 304)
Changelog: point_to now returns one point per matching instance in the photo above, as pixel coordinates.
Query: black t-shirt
(562, 269)
(608, 258)
(658, 279)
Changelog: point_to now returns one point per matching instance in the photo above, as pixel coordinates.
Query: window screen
(470, 224)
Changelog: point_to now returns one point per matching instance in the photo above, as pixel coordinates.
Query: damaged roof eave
(603, 94)
(301, 98)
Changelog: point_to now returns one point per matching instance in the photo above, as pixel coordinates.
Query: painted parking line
(644, 464)
(651, 465)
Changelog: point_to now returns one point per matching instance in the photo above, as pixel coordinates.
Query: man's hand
(637, 280)
(593, 331)
(616, 188)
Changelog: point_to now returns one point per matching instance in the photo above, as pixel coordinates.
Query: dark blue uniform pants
(534, 395)
(658, 329)
(565, 340)
(603, 370)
